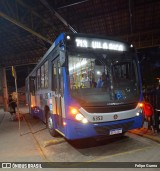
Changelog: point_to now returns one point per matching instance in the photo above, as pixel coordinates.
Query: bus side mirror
(62, 58)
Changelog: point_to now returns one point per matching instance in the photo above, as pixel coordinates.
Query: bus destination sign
(100, 44)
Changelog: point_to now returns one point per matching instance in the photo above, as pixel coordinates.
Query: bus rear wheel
(50, 125)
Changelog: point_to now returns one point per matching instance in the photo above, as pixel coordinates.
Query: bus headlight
(80, 117)
(137, 114)
(77, 115)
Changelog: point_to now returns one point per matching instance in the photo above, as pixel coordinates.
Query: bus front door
(56, 83)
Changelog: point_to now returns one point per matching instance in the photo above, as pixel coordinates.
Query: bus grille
(108, 109)
(105, 129)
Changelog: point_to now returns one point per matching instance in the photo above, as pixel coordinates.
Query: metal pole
(15, 78)
(4, 89)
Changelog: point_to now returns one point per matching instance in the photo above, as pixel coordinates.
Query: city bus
(87, 86)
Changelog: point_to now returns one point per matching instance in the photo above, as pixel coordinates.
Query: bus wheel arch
(51, 126)
(49, 122)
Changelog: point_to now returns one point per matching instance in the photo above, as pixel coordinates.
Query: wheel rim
(50, 123)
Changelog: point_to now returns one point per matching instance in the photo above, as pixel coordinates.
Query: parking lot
(33, 143)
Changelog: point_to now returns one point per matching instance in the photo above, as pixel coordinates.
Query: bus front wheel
(50, 125)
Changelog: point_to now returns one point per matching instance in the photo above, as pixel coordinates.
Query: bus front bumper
(77, 130)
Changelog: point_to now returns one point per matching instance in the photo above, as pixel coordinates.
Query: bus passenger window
(32, 85)
(38, 79)
(46, 74)
(42, 76)
(62, 81)
(54, 79)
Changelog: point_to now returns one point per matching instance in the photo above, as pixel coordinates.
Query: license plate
(115, 131)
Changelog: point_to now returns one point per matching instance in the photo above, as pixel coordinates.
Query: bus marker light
(74, 111)
(68, 37)
(140, 104)
(64, 123)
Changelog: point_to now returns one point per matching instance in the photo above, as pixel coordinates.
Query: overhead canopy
(28, 28)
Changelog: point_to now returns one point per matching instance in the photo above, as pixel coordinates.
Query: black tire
(50, 126)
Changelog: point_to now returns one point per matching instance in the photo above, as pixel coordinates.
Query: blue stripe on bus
(66, 88)
(59, 38)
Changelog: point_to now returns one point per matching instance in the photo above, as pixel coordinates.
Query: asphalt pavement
(18, 142)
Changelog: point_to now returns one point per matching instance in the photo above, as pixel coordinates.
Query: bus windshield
(107, 78)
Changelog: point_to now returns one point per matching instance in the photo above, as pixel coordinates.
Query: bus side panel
(37, 108)
(36, 111)
(54, 120)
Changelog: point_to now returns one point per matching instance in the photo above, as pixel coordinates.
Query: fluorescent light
(99, 73)
(78, 65)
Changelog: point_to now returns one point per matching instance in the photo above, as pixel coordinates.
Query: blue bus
(87, 86)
